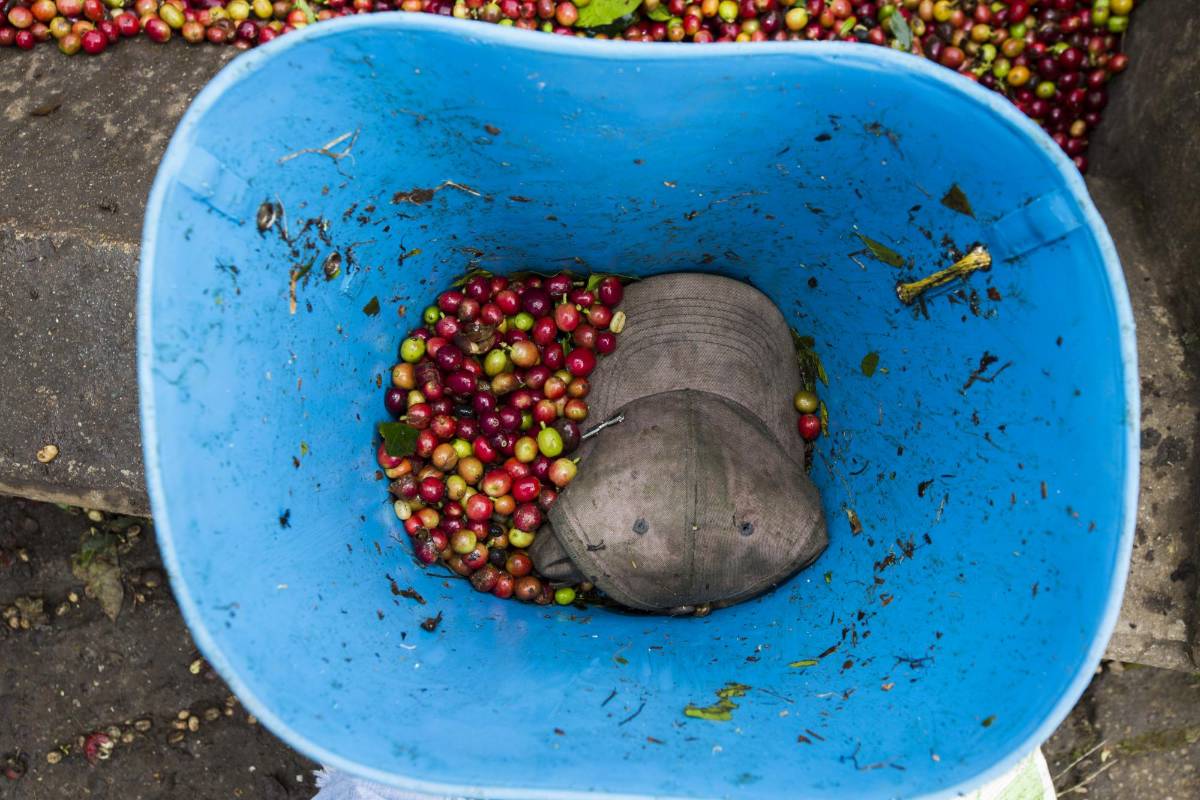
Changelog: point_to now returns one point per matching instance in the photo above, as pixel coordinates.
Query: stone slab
(82, 140)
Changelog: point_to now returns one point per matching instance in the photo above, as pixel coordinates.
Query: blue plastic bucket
(993, 502)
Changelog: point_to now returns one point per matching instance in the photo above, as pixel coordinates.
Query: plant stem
(978, 258)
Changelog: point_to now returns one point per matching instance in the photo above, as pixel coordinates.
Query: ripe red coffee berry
(558, 285)
(580, 362)
(94, 42)
(545, 330)
(479, 507)
(809, 426)
(553, 356)
(611, 291)
(525, 490)
(485, 579)
(449, 301)
(519, 564)
(504, 586)
(159, 31)
(508, 301)
(129, 25)
(599, 316)
(527, 589)
(566, 317)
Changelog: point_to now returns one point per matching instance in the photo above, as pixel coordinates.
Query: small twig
(853, 759)
(1079, 786)
(461, 188)
(327, 148)
(607, 423)
(773, 693)
(1072, 765)
(633, 715)
(985, 362)
(607, 699)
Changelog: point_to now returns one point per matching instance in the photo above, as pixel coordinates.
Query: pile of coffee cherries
(1053, 58)
(494, 384)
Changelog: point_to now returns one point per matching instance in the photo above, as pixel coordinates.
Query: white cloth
(334, 785)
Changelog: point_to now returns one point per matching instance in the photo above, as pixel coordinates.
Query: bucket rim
(636, 54)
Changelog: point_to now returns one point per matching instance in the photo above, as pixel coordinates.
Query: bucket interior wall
(967, 604)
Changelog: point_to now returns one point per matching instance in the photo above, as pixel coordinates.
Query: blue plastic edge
(174, 158)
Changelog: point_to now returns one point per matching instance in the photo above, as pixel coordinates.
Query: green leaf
(900, 30)
(468, 275)
(847, 26)
(659, 14)
(881, 251)
(869, 363)
(98, 566)
(808, 662)
(593, 281)
(604, 12)
(722, 710)
(956, 200)
(307, 10)
(399, 438)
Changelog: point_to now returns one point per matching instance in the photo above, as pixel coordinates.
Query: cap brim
(690, 500)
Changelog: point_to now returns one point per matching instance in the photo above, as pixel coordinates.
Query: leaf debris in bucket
(399, 438)
(955, 199)
(811, 368)
(869, 362)
(881, 251)
(722, 710)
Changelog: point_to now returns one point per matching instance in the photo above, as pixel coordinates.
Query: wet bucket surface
(996, 512)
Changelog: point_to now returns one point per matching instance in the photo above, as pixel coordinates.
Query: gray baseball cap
(699, 496)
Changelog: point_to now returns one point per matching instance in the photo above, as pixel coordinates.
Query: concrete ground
(68, 672)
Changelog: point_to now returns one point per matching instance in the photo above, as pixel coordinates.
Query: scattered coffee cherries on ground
(1052, 58)
(488, 401)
